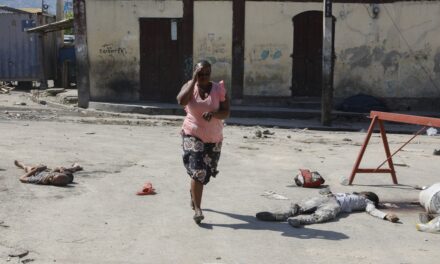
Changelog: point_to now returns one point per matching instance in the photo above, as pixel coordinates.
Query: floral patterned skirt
(200, 159)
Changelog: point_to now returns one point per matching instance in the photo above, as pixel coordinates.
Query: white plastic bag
(432, 227)
(431, 131)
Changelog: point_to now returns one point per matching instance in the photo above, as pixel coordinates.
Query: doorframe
(181, 58)
(334, 56)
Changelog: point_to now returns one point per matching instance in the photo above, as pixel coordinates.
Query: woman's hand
(207, 116)
(196, 72)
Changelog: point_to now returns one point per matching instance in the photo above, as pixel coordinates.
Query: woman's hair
(204, 63)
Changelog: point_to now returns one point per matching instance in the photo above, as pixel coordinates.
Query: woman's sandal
(198, 216)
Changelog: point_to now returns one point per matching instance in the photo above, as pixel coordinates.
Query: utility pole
(81, 53)
(327, 64)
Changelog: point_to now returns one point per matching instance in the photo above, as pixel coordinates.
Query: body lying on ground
(327, 207)
(40, 174)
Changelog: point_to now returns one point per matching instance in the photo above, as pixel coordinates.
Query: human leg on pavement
(326, 211)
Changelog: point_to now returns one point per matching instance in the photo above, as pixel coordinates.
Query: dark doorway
(161, 72)
(307, 54)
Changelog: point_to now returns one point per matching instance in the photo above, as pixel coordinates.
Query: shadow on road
(251, 223)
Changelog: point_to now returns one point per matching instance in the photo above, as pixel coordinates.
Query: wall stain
(357, 56)
(390, 61)
(116, 80)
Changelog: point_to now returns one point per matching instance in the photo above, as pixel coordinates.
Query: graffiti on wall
(267, 53)
(111, 49)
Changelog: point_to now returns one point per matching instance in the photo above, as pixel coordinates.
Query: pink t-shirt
(195, 125)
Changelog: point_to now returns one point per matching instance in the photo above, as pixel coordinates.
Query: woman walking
(206, 105)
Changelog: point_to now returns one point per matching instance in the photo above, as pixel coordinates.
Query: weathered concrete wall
(113, 43)
(395, 55)
(213, 37)
(268, 46)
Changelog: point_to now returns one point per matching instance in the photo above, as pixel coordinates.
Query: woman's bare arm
(24, 177)
(187, 90)
(222, 113)
(224, 110)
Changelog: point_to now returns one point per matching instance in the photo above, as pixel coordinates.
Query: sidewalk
(281, 117)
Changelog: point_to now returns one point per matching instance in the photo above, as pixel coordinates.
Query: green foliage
(70, 30)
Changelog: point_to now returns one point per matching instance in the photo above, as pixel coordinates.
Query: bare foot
(19, 164)
(76, 167)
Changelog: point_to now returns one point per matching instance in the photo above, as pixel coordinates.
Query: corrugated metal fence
(21, 52)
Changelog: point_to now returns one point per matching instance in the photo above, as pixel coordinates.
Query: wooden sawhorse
(378, 118)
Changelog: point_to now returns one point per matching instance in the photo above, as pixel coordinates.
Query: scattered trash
(432, 226)
(249, 148)
(325, 191)
(267, 132)
(3, 225)
(288, 136)
(400, 164)
(308, 179)
(4, 89)
(298, 149)
(18, 253)
(147, 189)
(344, 181)
(20, 103)
(347, 139)
(258, 133)
(430, 199)
(274, 195)
(431, 131)
(90, 133)
(245, 137)
(27, 260)
(42, 102)
(417, 187)
(54, 91)
(436, 152)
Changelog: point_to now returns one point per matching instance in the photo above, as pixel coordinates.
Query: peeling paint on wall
(357, 56)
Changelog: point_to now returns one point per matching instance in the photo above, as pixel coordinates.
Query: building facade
(145, 50)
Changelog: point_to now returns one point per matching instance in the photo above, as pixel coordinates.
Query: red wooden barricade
(378, 118)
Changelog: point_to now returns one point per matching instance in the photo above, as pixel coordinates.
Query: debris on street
(274, 195)
(431, 131)
(18, 253)
(147, 189)
(432, 226)
(309, 179)
(5, 89)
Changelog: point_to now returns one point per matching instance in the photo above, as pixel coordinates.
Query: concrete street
(99, 219)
